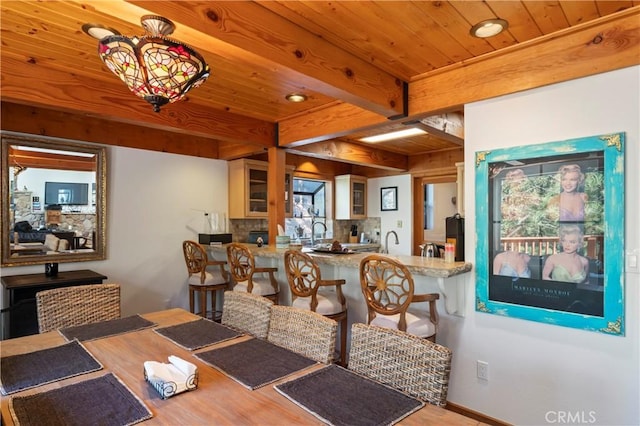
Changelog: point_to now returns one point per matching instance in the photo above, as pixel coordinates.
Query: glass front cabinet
(248, 189)
(351, 197)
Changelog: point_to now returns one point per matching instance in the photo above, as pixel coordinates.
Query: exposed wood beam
(605, 44)
(24, 81)
(275, 192)
(448, 126)
(232, 151)
(326, 123)
(351, 153)
(321, 66)
(45, 122)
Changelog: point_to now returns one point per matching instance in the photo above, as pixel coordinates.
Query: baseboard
(474, 415)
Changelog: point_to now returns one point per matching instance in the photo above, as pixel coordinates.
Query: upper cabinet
(351, 197)
(248, 189)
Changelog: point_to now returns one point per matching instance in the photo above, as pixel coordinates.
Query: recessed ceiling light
(98, 31)
(489, 28)
(413, 131)
(296, 97)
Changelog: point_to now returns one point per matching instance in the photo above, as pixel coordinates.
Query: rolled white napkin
(177, 371)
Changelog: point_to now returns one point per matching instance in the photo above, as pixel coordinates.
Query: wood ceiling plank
(46, 122)
(548, 15)
(521, 24)
(609, 6)
(534, 64)
(228, 86)
(424, 27)
(578, 12)
(328, 69)
(24, 82)
(474, 12)
(455, 24)
(379, 40)
(313, 17)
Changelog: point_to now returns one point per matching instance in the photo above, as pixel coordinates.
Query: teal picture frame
(550, 233)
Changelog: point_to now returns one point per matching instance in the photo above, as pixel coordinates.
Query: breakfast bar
(430, 275)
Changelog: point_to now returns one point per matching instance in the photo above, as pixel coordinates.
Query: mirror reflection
(53, 199)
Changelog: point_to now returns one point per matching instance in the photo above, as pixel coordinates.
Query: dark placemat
(100, 401)
(109, 328)
(197, 334)
(25, 371)
(340, 397)
(255, 363)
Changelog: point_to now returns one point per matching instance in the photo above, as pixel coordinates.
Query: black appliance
(455, 235)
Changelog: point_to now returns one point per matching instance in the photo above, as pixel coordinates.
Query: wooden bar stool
(247, 276)
(388, 288)
(201, 280)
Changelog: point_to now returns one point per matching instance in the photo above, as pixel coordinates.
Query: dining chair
(303, 331)
(415, 366)
(77, 305)
(247, 313)
(309, 291)
(205, 276)
(388, 289)
(247, 276)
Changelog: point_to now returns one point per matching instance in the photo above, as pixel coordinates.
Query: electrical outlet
(483, 370)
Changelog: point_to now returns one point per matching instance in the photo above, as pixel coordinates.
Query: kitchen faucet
(313, 234)
(386, 241)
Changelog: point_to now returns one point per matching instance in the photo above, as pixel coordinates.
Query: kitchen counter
(418, 265)
(444, 273)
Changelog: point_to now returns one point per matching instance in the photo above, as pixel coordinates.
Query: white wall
(395, 220)
(151, 199)
(537, 368)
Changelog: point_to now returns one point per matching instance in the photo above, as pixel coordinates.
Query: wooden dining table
(218, 399)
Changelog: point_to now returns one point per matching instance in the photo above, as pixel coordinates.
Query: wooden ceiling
(365, 66)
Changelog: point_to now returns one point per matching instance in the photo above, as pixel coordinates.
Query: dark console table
(20, 291)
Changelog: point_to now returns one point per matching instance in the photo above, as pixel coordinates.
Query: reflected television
(66, 193)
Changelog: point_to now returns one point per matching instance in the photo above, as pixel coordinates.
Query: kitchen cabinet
(248, 189)
(351, 197)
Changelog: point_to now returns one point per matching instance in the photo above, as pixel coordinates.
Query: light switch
(399, 224)
(632, 257)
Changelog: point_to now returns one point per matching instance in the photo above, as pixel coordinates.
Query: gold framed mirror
(53, 200)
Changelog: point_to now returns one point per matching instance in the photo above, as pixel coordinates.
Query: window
(428, 206)
(309, 205)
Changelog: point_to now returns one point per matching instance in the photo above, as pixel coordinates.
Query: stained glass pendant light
(156, 68)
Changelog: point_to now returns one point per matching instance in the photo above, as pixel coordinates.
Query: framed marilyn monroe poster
(550, 221)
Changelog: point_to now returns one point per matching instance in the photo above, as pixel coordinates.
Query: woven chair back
(405, 362)
(240, 261)
(304, 332)
(78, 305)
(247, 313)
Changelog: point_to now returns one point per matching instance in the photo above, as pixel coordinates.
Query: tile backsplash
(339, 229)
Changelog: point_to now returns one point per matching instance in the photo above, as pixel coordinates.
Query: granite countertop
(418, 265)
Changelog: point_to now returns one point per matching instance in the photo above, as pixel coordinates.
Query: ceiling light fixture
(489, 28)
(154, 67)
(296, 97)
(413, 131)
